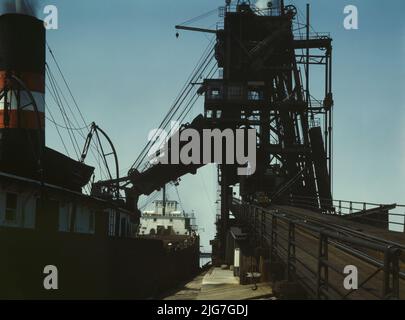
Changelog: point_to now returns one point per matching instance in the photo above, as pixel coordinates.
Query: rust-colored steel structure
(266, 58)
(265, 86)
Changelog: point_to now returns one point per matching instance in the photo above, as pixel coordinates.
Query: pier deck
(218, 284)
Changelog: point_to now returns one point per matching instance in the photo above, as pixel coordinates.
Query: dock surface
(218, 284)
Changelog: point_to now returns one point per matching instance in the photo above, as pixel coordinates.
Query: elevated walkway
(315, 248)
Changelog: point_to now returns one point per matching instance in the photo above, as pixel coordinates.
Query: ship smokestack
(27, 7)
(22, 90)
(19, 6)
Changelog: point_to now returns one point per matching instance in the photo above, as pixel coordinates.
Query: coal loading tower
(266, 86)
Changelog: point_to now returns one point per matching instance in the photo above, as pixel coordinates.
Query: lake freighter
(46, 219)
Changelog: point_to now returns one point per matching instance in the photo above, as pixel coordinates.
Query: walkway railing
(382, 215)
(321, 257)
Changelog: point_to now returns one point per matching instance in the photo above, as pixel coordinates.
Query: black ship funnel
(27, 7)
(22, 92)
(22, 107)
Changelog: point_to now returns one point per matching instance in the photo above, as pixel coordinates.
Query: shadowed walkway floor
(218, 284)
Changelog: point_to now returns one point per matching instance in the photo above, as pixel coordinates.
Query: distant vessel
(166, 220)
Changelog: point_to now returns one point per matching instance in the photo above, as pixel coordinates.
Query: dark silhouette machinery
(285, 222)
(285, 218)
(263, 87)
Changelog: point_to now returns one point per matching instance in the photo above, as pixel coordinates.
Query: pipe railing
(394, 213)
(313, 253)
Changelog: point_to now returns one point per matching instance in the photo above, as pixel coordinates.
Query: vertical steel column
(323, 270)
(307, 56)
(224, 211)
(330, 125)
(273, 251)
(254, 219)
(291, 252)
(391, 273)
(263, 228)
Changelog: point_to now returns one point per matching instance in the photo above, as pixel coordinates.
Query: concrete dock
(218, 284)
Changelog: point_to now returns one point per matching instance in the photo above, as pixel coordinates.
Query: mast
(164, 200)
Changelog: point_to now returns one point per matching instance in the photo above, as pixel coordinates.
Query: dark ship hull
(101, 260)
(90, 267)
(46, 220)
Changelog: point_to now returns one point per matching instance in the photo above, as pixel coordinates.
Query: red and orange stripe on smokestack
(22, 54)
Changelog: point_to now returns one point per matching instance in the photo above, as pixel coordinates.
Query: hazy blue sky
(126, 67)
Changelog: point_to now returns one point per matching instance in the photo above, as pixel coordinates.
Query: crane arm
(153, 178)
(196, 29)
